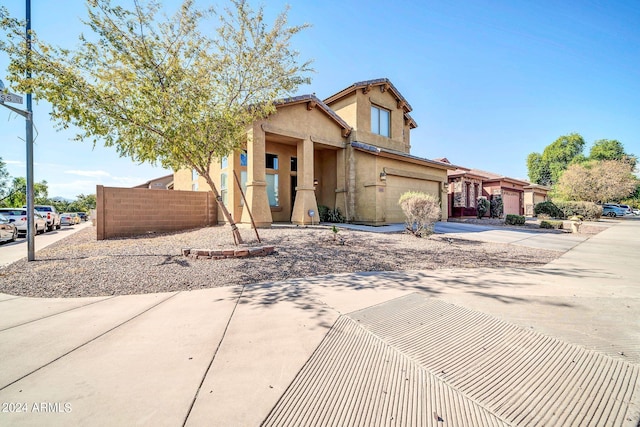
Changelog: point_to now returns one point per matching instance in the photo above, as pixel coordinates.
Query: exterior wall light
(315, 182)
(383, 176)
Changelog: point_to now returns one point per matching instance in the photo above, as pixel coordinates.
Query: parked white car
(50, 214)
(18, 217)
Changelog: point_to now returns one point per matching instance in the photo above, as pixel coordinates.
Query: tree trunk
(237, 238)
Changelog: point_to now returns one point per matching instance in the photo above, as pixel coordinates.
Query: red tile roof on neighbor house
(482, 174)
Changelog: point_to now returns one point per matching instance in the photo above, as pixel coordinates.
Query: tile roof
(377, 151)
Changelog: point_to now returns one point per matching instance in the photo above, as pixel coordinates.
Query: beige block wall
(124, 212)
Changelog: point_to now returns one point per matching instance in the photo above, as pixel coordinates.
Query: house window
(224, 190)
(224, 162)
(271, 161)
(272, 189)
(243, 158)
(271, 165)
(380, 120)
(294, 164)
(194, 180)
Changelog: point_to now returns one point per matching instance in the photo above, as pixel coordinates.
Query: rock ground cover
(80, 265)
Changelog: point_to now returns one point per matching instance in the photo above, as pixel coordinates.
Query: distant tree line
(607, 174)
(13, 193)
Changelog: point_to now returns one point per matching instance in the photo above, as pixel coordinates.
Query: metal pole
(29, 125)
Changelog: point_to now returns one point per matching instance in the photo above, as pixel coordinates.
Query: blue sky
(489, 81)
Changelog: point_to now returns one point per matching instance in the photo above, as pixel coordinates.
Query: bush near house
(327, 214)
(421, 210)
(483, 207)
(514, 219)
(589, 211)
(497, 207)
(548, 208)
(554, 225)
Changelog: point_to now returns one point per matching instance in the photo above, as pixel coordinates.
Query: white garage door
(398, 185)
(511, 202)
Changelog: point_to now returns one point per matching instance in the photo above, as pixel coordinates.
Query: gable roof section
(312, 102)
(385, 84)
(398, 155)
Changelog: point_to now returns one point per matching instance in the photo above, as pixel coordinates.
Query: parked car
(69, 218)
(636, 211)
(50, 214)
(8, 231)
(627, 209)
(613, 210)
(83, 216)
(18, 217)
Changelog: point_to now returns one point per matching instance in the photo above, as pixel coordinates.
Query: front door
(294, 184)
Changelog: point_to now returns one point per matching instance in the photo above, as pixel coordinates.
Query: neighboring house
(534, 194)
(350, 152)
(162, 183)
(467, 185)
(511, 191)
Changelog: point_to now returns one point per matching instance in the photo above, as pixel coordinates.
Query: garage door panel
(397, 186)
(511, 203)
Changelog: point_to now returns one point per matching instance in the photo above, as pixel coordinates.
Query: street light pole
(29, 130)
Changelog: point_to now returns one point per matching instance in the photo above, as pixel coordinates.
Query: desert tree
(597, 181)
(178, 91)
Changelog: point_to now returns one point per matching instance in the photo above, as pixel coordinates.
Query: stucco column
(257, 199)
(305, 192)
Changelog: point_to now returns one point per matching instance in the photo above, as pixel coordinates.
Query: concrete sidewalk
(553, 345)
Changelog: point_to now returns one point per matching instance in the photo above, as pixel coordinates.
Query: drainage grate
(420, 361)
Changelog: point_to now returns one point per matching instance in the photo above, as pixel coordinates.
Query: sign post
(6, 96)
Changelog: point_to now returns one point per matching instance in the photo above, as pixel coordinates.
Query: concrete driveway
(557, 345)
(492, 234)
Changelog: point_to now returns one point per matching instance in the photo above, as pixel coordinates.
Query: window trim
(377, 116)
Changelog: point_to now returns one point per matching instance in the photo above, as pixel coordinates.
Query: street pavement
(553, 345)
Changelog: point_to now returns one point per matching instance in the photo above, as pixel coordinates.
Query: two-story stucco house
(350, 152)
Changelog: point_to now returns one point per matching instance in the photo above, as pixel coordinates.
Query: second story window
(380, 121)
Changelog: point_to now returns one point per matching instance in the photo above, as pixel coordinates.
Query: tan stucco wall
(376, 200)
(297, 122)
(361, 122)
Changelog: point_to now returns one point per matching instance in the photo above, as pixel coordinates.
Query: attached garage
(511, 201)
(398, 185)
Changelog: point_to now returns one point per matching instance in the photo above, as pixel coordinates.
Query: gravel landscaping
(80, 265)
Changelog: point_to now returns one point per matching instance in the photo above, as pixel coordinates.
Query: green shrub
(514, 219)
(327, 214)
(548, 208)
(557, 225)
(589, 211)
(421, 211)
(483, 207)
(323, 213)
(497, 207)
(334, 215)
